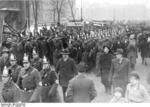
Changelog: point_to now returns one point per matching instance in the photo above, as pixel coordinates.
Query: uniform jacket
(30, 78)
(67, 70)
(15, 70)
(48, 77)
(10, 92)
(81, 89)
(37, 63)
(49, 88)
(3, 63)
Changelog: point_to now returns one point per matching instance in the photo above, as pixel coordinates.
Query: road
(142, 70)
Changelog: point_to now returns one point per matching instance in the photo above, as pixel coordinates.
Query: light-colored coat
(81, 89)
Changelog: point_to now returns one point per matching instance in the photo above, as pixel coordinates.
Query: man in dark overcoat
(81, 88)
(105, 61)
(120, 69)
(66, 68)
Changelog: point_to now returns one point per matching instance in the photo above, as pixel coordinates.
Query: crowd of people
(51, 66)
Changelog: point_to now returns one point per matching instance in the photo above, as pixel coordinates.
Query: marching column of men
(34, 78)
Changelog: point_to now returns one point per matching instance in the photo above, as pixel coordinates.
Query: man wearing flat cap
(66, 68)
(120, 69)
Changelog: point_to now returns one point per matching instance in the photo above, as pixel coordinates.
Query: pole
(28, 11)
(81, 12)
(114, 17)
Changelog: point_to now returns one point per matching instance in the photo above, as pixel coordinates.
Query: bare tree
(71, 5)
(35, 6)
(58, 7)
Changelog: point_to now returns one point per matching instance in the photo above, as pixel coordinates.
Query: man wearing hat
(132, 52)
(66, 68)
(4, 60)
(36, 61)
(81, 88)
(120, 68)
(104, 66)
(29, 78)
(14, 68)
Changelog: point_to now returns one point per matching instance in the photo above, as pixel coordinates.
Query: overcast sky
(114, 9)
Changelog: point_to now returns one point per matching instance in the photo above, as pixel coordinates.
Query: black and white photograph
(74, 51)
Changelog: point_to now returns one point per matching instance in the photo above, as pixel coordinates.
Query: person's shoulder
(73, 80)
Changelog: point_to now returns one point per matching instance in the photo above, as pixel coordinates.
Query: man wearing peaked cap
(36, 61)
(10, 91)
(49, 86)
(66, 68)
(14, 69)
(28, 80)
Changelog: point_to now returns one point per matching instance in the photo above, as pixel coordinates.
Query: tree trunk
(36, 21)
(58, 19)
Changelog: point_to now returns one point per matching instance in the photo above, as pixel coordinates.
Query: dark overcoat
(48, 84)
(67, 70)
(81, 89)
(119, 73)
(105, 65)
